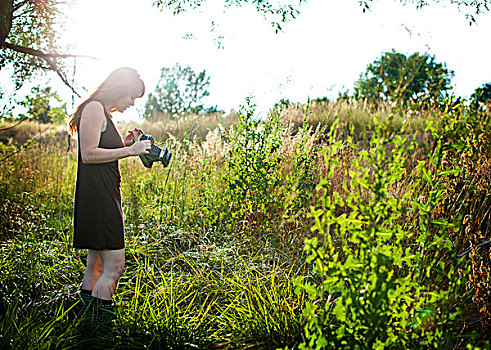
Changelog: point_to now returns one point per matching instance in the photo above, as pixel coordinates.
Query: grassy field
(328, 225)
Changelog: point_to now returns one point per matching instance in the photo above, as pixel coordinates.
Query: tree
(44, 106)
(178, 91)
(280, 12)
(472, 8)
(481, 96)
(398, 78)
(28, 38)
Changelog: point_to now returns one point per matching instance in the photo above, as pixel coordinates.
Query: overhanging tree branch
(48, 58)
(19, 5)
(2, 128)
(476, 7)
(39, 53)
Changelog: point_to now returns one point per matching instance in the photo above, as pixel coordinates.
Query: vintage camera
(156, 154)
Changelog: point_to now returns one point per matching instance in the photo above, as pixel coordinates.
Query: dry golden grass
(357, 115)
(15, 132)
(187, 127)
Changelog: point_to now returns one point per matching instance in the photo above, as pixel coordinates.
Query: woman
(98, 217)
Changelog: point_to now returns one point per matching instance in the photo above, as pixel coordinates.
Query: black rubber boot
(99, 315)
(96, 316)
(86, 296)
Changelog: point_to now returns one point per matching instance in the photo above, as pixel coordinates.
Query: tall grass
(215, 240)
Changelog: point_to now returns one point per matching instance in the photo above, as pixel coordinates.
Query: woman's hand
(140, 147)
(132, 137)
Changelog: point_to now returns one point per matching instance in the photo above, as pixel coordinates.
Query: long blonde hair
(120, 83)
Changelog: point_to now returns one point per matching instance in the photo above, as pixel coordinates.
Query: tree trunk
(6, 11)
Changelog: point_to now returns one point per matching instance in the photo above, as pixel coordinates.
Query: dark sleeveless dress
(98, 217)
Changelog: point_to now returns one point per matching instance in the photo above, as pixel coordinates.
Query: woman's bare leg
(93, 270)
(112, 269)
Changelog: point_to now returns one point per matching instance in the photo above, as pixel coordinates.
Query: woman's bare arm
(91, 125)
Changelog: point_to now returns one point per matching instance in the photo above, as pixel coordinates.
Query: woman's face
(124, 103)
(129, 95)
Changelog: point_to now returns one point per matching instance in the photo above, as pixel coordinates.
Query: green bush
(371, 285)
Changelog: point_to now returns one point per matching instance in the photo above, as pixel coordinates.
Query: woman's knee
(116, 270)
(113, 264)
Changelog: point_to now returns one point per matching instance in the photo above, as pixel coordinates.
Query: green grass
(213, 242)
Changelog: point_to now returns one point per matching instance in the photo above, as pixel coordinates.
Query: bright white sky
(319, 54)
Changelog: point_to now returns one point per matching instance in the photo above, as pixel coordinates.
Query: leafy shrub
(253, 167)
(371, 286)
(251, 175)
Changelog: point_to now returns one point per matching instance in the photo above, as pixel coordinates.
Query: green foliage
(44, 106)
(179, 91)
(301, 181)
(472, 8)
(376, 274)
(253, 162)
(33, 27)
(278, 12)
(250, 178)
(203, 270)
(398, 78)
